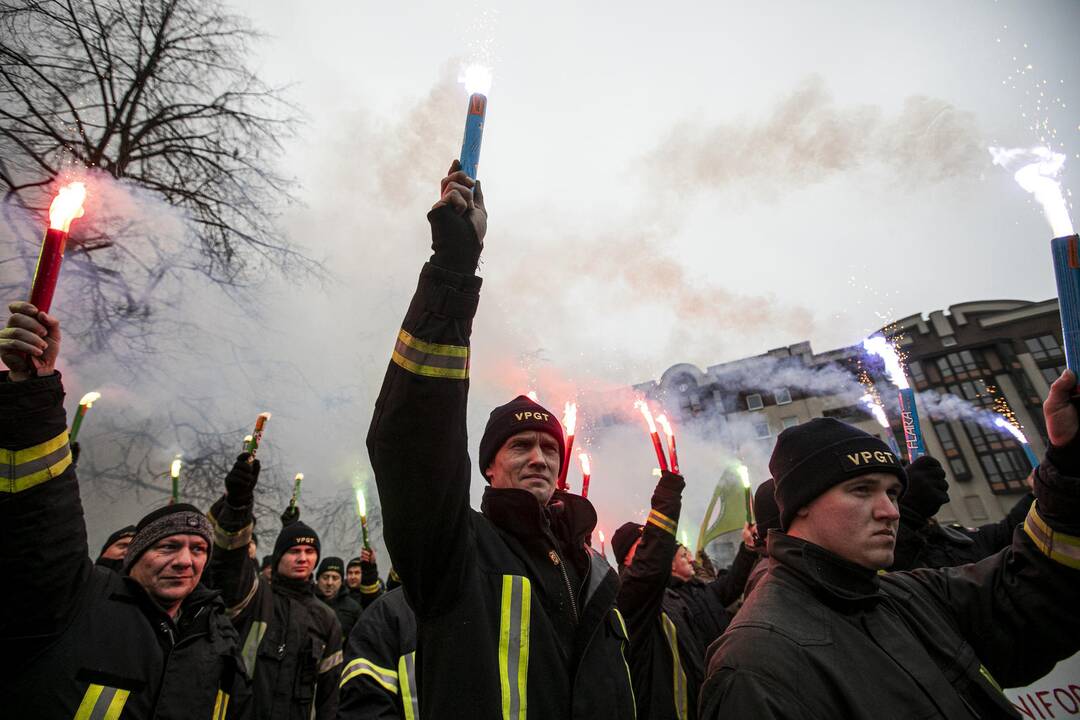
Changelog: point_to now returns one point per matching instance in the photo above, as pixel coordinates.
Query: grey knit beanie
(178, 519)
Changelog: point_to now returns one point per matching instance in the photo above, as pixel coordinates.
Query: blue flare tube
(890, 440)
(1066, 252)
(909, 416)
(1031, 456)
(474, 134)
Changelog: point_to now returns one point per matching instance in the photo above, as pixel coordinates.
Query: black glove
(454, 242)
(291, 515)
(926, 492)
(241, 480)
(75, 450)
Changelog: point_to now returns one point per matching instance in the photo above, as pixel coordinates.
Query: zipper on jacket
(557, 560)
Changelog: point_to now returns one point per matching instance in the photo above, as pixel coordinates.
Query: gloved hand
(241, 480)
(458, 222)
(75, 452)
(927, 491)
(291, 515)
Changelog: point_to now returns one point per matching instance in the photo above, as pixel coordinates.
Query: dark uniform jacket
(824, 638)
(370, 588)
(936, 546)
(346, 609)
(291, 641)
(79, 641)
(670, 621)
(515, 614)
(379, 679)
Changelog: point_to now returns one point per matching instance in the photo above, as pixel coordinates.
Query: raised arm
(233, 519)
(44, 558)
(646, 578)
(371, 587)
(418, 440)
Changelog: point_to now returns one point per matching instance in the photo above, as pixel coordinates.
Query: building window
(959, 364)
(945, 436)
(1043, 347)
(959, 468)
(983, 439)
(753, 402)
(915, 370)
(789, 421)
(1050, 374)
(975, 507)
(783, 396)
(948, 341)
(1005, 470)
(974, 391)
(761, 429)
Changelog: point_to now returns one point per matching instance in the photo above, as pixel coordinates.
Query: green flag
(726, 512)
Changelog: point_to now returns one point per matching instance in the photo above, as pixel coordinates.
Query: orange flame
(646, 413)
(583, 458)
(569, 418)
(67, 205)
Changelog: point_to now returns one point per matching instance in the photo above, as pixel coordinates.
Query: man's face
(267, 572)
(682, 566)
(298, 562)
(171, 568)
(253, 550)
(118, 549)
(352, 577)
(329, 583)
(528, 460)
(856, 520)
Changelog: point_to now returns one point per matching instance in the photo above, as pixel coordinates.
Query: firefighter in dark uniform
(79, 640)
(291, 641)
(515, 614)
(332, 591)
(362, 579)
(672, 616)
(115, 547)
(379, 679)
(924, 542)
(825, 634)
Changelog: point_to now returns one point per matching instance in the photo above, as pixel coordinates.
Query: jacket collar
(825, 572)
(292, 586)
(570, 518)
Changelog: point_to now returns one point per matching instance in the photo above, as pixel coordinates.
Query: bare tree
(156, 94)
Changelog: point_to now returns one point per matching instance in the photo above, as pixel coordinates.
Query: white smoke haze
(807, 138)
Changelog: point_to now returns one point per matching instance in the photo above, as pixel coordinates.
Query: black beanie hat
(126, 531)
(812, 457)
(267, 561)
(296, 533)
(518, 415)
(766, 513)
(624, 539)
(331, 564)
(175, 519)
(355, 562)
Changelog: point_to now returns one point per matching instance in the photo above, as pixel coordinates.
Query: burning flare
(89, 399)
(1011, 429)
(646, 413)
(583, 458)
(174, 471)
(886, 350)
(532, 396)
(876, 410)
(476, 78)
(569, 418)
(66, 206)
(744, 475)
(361, 503)
(1038, 173)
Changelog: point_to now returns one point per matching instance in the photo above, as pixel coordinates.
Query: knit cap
(175, 519)
(518, 415)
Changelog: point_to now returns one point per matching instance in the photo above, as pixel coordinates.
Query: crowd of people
(846, 599)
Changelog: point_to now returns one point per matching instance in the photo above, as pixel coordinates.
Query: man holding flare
(515, 614)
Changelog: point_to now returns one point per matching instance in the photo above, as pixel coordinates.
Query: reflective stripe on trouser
(250, 651)
(407, 675)
(23, 469)
(221, 705)
(101, 703)
(514, 646)
(362, 666)
(679, 679)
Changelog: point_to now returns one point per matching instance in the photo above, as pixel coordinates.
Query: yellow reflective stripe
(1059, 547)
(679, 679)
(88, 702)
(373, 587)
(662, 521)
(626, 664)
(990, 678)
(102, 703)
(230, 540)
(221, 705)
(431, 359)
(251, 645)
(331, 662)
(362, 666)
(407, 675)
(514, 646)
(23, 469)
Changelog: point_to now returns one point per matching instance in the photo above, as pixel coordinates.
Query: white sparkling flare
(1011, 429)
(476, 78)
(885, 350)
(1036, 170)
(875, 409)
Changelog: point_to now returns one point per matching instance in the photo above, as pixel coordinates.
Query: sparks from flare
(1038, 175)
(890, 355)
(476, 78)
(89, 399)
(873, 405)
